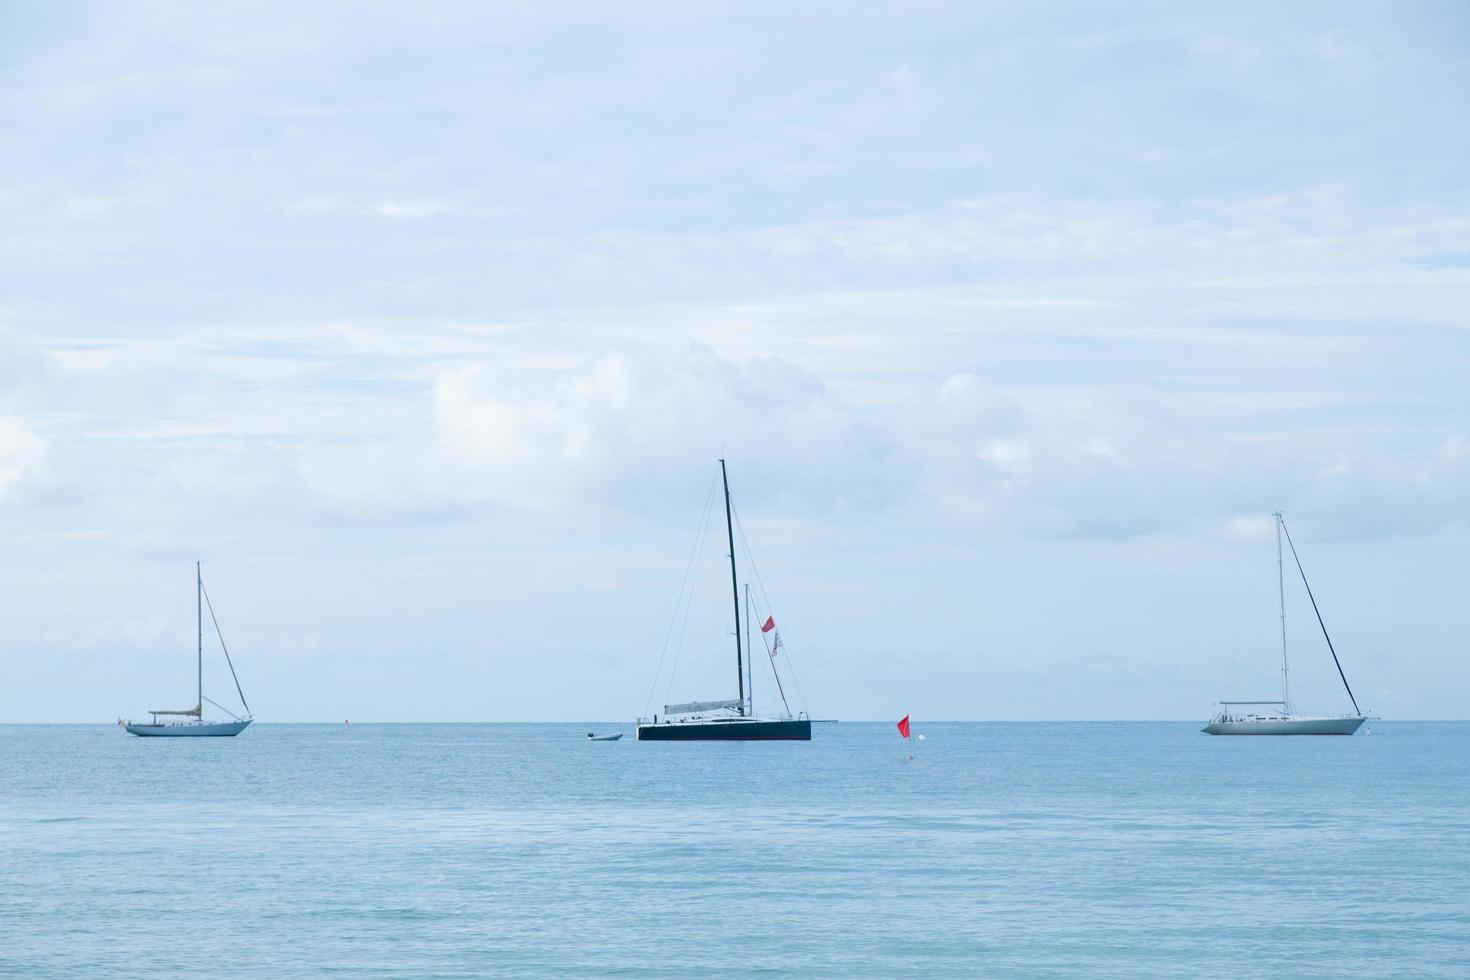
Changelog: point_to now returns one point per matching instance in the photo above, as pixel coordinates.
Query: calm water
(467, 850)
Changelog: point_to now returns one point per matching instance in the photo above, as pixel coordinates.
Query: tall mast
(734, 588)
(1281, 599)
(199, 619)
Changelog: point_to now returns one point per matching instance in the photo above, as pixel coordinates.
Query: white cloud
(409, 208)
(22, 362)
(22, 456)
(314, 204)
(1453, 452)
(89, 206)
(618, 429)
(1012, 457)
(1249, 527)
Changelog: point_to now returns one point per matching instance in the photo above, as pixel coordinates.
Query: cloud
(1011, 457)
(1248, 527)
(21, 361)
(409, 209)
(617, 430)
(1453, 454)
(87, 207)
(22, 456)
(313, 204)
(1084, 464)
(625, 431)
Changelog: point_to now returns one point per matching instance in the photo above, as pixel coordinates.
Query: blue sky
(424, 329)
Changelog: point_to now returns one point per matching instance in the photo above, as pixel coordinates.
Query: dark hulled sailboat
(730, 720)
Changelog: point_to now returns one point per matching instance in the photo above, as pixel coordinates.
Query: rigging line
(771, 659)
(685, 597)
(1250, 603)
(761, 585)
(701, 540)
(220, 633)
(653, 688)
(791, 665)
(715, 664)
(706, 680)
(775, 674)
(709, 525)
(750, 557)
(222, 708)
(1303, 572)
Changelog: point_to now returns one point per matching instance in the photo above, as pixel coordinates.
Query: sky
(425, 326)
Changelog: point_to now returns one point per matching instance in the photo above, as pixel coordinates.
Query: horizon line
(828, 721)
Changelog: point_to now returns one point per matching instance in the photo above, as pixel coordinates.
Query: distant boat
(1279, 717)
(604, 738)
(193, 724)
(734, 719)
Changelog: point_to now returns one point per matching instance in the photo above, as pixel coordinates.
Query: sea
(1000, 850)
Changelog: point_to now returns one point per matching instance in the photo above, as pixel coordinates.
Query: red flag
(769, 624)
(903, 727)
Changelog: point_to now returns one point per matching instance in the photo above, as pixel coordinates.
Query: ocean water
(1022, 850)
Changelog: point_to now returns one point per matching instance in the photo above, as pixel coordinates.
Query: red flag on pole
(903, 726)
(769, 624)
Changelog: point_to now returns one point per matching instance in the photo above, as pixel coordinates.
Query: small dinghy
(604, 738)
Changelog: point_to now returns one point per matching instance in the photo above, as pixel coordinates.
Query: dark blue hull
(786, 730)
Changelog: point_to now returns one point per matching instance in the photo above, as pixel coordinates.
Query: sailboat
(192, 723)
(1279, 717)
(732, 720)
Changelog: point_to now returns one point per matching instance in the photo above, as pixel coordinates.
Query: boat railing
(1223, 712)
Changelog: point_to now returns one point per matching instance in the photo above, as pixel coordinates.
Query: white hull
(1285, 726)
(215, 729)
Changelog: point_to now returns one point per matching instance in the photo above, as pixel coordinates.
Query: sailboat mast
(734, 588)
(1281, 600)
(199, 620)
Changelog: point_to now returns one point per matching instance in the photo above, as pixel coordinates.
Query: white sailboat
(1280, 717)
(192, 723)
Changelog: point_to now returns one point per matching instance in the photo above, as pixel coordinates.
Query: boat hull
(1285, 726)
(782, 730)
(222, 729)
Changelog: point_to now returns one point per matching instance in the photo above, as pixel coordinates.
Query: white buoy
(921, 738)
